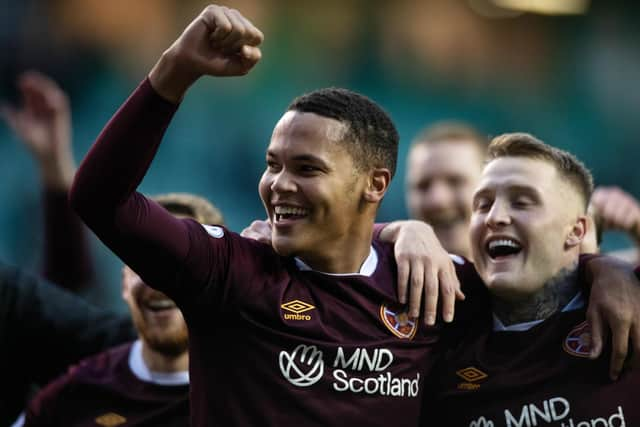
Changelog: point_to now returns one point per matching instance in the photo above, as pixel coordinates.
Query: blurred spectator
(43, 125)
(443, 168)
(140, 383)
(44, 329)
(613, 209)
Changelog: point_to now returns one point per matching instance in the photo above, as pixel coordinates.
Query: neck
(347, 255)
(159, 362)
(551, 298)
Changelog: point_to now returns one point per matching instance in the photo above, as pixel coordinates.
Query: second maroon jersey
(103, 391)
(538, 377)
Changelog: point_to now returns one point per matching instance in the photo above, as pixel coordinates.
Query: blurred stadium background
(566, 70)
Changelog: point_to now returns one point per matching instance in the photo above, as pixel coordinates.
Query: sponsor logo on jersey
(295, 309)
(557, 411)
(110, 419)
(481, 422)
(471, 376)
(303, 366)
(214, 231)
(398, 322)
(578, 342)
(357, 370)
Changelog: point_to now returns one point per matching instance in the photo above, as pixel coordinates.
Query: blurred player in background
(141, 383)
(613, 209)
(44, 329)
(43, 124)
(443, 168)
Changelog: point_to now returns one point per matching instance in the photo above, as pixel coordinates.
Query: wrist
(389, 231)
(168, 79)
(58, 174)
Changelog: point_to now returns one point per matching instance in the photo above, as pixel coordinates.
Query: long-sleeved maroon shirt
(272, 343)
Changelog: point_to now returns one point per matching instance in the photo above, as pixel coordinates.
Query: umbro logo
(110, 419)
(471, 376)
(295, 309)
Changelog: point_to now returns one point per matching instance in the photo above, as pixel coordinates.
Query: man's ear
(577, 232)
(377, 185)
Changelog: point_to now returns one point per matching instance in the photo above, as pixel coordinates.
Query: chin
(502, 283)
(283, 247)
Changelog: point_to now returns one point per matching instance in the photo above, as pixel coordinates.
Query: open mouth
(159, 304)
(282, 213)
(500, 248)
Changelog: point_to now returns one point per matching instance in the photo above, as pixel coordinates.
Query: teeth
(290, 210)
(503, 242)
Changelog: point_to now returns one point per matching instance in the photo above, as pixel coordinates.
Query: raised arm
(614, 310)
(616, 209)
(218, 42)
(42, 123)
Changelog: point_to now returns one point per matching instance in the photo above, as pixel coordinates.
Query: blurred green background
(571, 79)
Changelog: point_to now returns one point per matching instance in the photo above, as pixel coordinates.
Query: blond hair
(521, 144)
(190, 205)
(447, 131)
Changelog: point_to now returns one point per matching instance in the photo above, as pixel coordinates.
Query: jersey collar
(143, 373)
(367, 269)
(576, 303)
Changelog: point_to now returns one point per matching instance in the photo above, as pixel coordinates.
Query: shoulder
(242, 250)
(94, 369)
(100, 365)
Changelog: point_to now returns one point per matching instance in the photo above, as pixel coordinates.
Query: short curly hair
(190, 205)
(371, 137)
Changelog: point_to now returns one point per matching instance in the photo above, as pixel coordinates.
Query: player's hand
(425, 269)
(258, 230)
(614, 307)
(43, 125)
(617, 210)
(219, 42)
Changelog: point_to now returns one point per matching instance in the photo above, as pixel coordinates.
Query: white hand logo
(481, 422)
(303, 356)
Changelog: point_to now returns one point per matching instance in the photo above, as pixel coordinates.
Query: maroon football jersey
(271, 343)
(538, 377)
(103, 391)
(275, 344)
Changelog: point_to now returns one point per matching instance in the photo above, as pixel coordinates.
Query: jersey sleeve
(38, 318)
(476, 307)
(237, 269)
(145, 236)
(67, 258)
(41, 411)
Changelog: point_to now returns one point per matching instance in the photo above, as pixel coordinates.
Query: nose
(283, 182)
(498, 215)
(437, 196)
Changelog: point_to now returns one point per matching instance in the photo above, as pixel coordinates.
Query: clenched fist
(219, 42)
(617, 210)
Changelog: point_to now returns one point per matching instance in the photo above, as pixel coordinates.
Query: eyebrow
(517, 188)
(301, 158)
